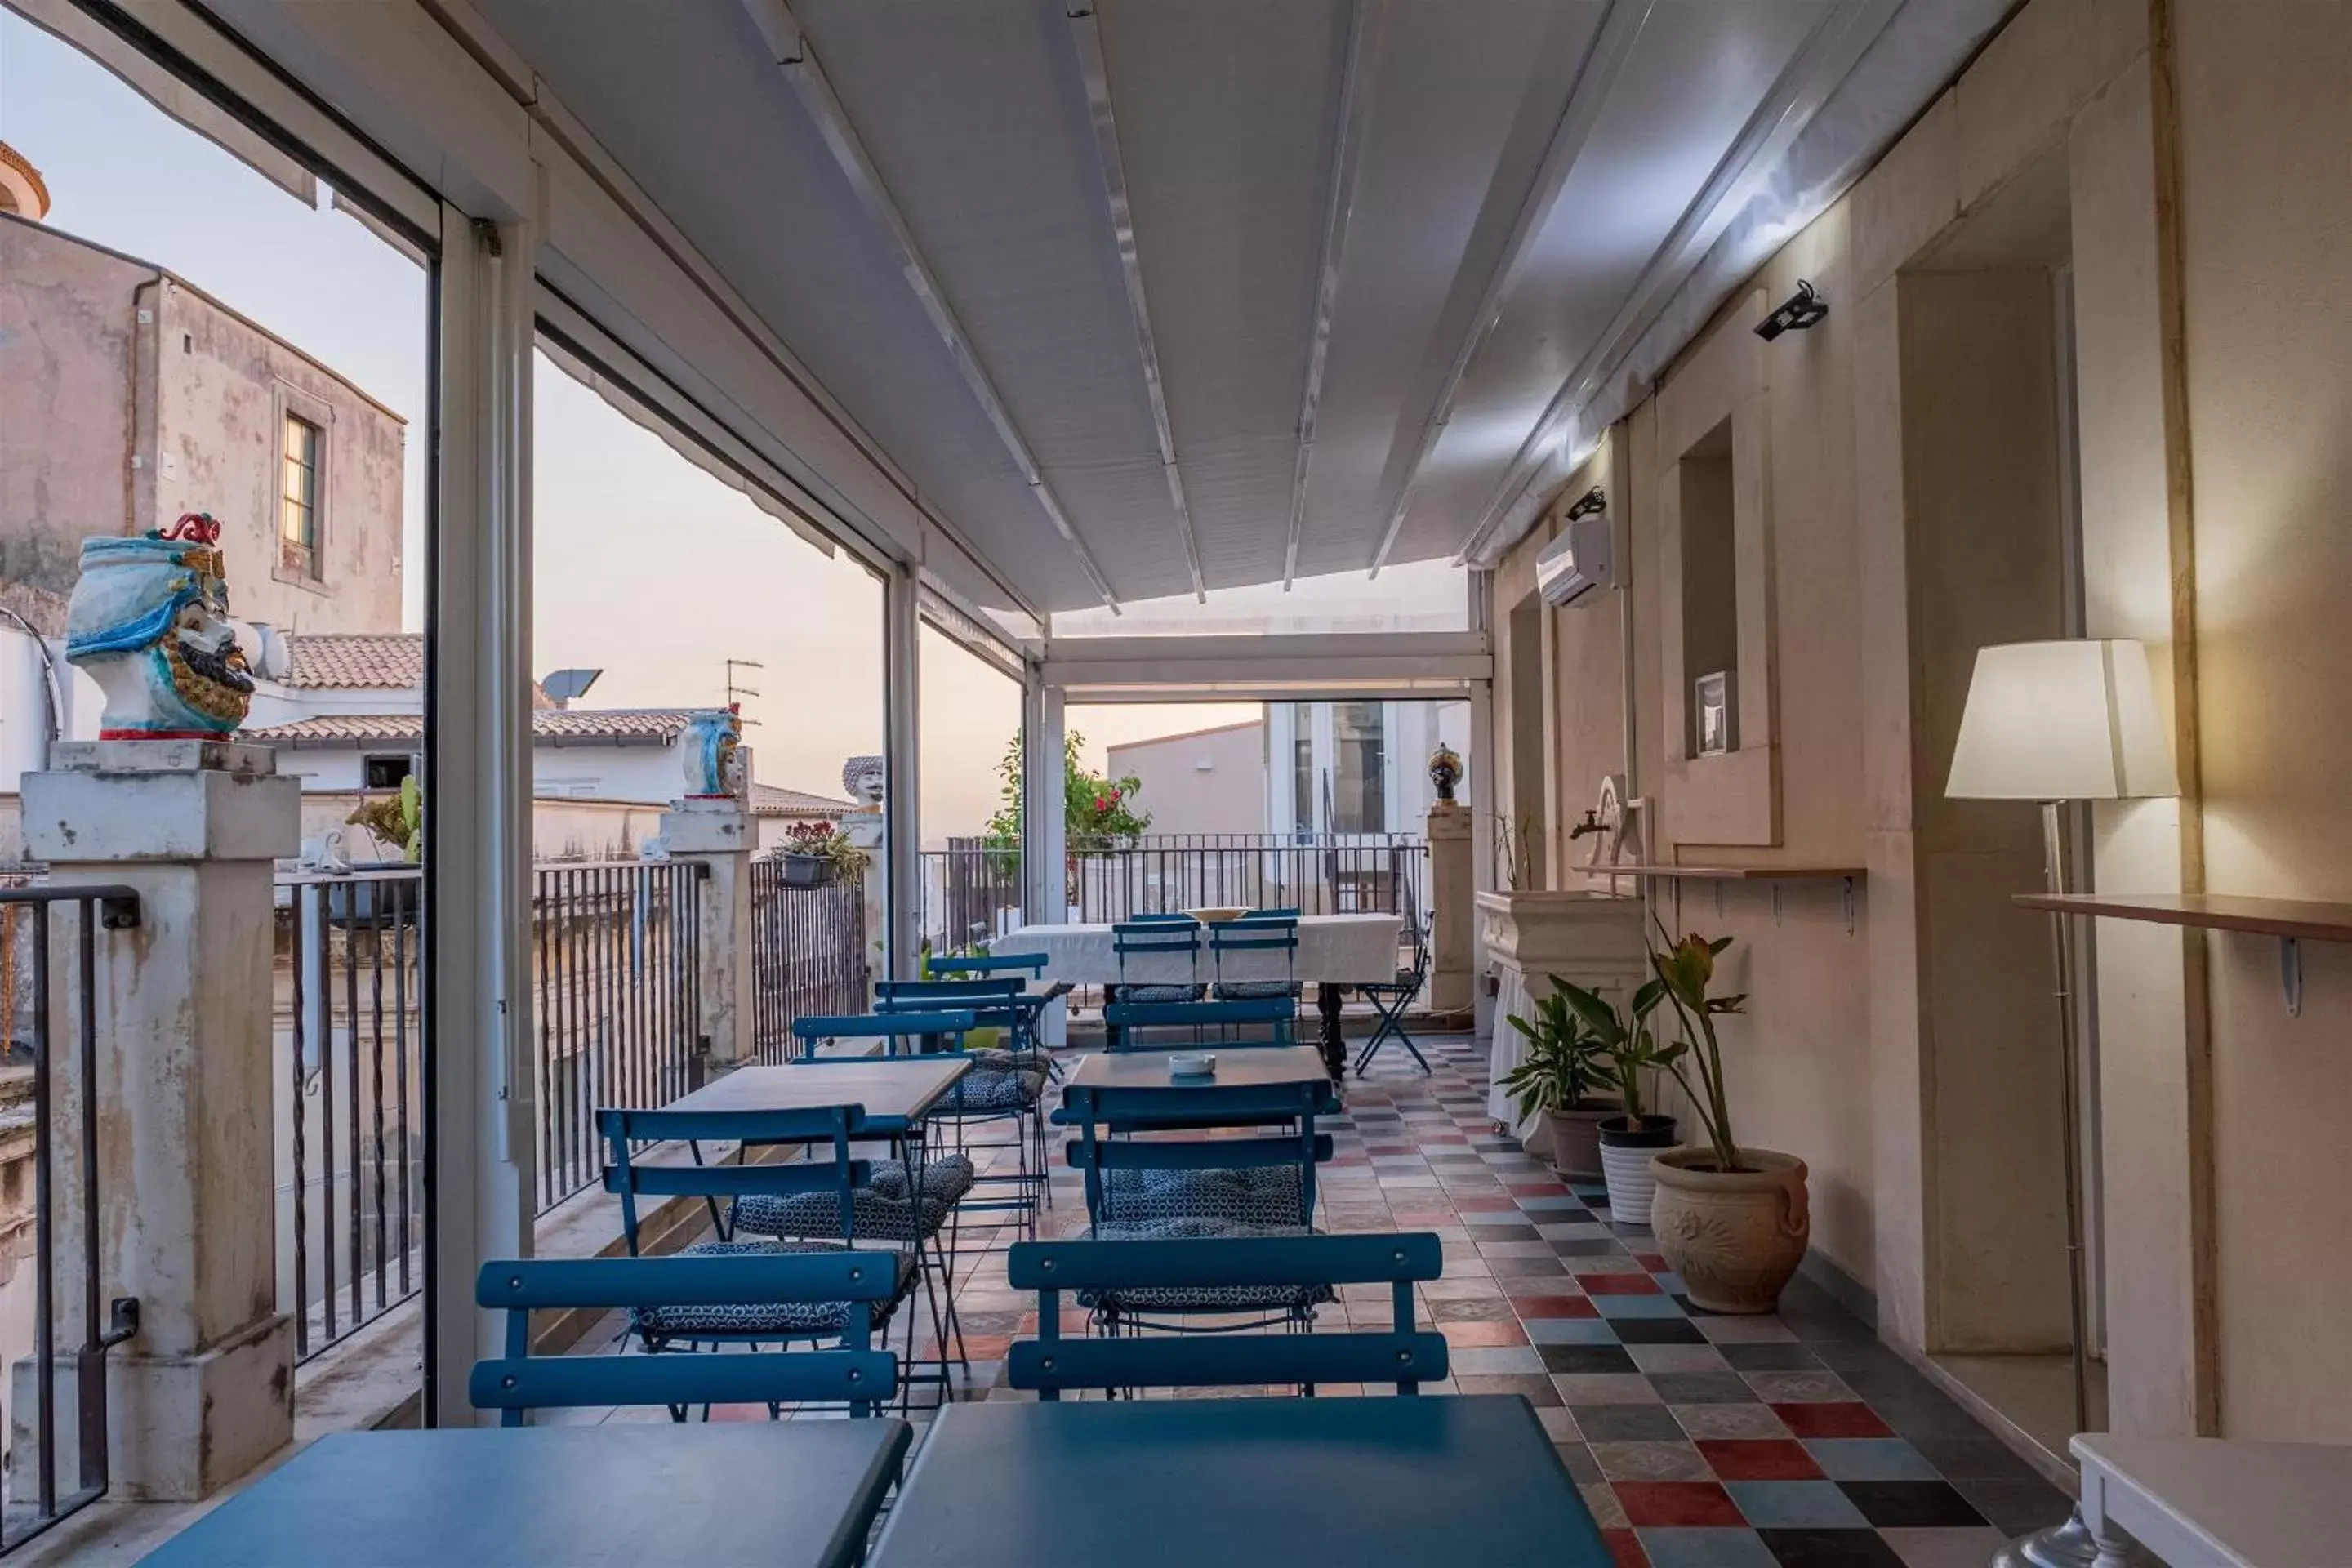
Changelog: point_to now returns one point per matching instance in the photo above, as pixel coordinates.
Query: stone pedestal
(1454, 938)
(183, 1086)
(1590, 939)
(719, 835)
(867, 830)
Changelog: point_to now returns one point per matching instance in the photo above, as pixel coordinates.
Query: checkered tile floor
(1699, 1441)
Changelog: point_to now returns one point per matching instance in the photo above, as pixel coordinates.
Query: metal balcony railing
(809, 955)
(46, 933)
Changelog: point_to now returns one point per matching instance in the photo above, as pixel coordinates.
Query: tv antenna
(736, 689)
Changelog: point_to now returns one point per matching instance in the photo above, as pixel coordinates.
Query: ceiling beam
(1086, 37)
(1351, 113)
(789, 47)
(1828, 55)
(1596, 76)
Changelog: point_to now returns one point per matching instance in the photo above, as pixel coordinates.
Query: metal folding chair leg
(1391, 1026)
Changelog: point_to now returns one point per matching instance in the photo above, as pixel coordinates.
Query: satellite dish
(568, 685)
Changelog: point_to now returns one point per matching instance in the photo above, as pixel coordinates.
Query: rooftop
(548, 725)
(385, 659)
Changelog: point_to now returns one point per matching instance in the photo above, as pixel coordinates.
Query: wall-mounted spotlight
(1585, 505)
(1801, 310)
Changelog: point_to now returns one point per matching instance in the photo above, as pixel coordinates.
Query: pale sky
(646, 566)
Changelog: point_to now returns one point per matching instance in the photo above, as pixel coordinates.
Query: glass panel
(1360, 796)
(1303, 817)
(298, 521)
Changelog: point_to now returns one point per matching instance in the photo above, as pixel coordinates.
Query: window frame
(293, 404)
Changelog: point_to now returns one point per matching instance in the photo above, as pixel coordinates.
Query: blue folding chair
(1256, 934)
(1003, 1084)
(939, 967)
(1122, 1019)
(1156, 938)
(860, 1287)
(1402, 1354)
(1389, 1001)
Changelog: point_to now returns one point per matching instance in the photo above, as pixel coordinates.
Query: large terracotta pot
(1734, 1236)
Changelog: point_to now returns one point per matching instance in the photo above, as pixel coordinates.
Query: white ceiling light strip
(1086, 36)
(788, 47)
(1831, 50)
(1612, 46)
(1350, 114)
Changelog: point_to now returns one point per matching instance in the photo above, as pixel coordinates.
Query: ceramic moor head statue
(149, 620)
(710, 748)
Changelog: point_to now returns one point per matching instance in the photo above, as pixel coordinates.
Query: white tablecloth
(1345, 949)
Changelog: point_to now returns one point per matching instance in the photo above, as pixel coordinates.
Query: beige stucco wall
(198, 396)
(2213, 384)
(1227, 795)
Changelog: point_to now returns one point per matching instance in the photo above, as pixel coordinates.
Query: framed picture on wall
(1713, 700)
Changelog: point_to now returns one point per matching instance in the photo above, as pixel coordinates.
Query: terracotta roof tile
(773, 800)
(385, 660)
(660, 725)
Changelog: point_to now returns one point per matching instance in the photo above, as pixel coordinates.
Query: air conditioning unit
(1579, 565)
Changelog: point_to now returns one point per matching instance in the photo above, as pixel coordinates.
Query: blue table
(794, 1494)
(1381, 1482)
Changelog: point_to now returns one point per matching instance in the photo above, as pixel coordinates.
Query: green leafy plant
(1565, 1061)
(1635, 1054)
(1686, 971)
(828, 843)
(396, 819)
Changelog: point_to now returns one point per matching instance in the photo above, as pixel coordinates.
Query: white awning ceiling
(924, 199)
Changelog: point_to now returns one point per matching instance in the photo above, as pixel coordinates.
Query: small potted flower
(1564, 1067)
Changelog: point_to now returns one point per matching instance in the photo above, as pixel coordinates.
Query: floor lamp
(2052, 722)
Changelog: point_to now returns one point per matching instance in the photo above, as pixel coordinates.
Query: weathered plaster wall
(225, 387)
(108, 423)
(2265, 127)
(1204, 781)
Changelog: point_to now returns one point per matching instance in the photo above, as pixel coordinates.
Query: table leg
(1327, 997)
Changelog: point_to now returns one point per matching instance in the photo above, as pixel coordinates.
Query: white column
(185, 1151)
(478, 818)
(1480, 766)
(901, 789)
(718, 836)
(1044, 845)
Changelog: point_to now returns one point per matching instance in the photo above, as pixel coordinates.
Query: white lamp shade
(2061, 721)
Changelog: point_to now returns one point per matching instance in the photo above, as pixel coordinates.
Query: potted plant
(1635, 1056)
(396, 819)
(1565, 1065)
(1732, 1221)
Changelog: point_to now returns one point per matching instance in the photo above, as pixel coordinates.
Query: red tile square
(1759, 1459)
(1553, 1306)
(1618, 1285)
(1654, 1262)
(1625, 1549)
(1483, 1335)
(1841, 1419)
(1664, 1504)
(1535, 1189)
(739, 1413)
(1484, 1203)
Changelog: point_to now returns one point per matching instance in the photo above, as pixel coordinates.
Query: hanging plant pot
(1626, 1144)
(806, 870)
(1735, 1237)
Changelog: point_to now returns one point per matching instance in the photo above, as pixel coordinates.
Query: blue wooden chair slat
(1050, 1364)
(1031, 964)
(761, 1377)
(872, 1026)
(731, 1180)
(1386, 1257)
(1201, 1154)
(1185, 1361)
(857, 1372)
(1202, 1015)
(725, 1126)
(736, 1279)
(903, 990)
(1225, 1105)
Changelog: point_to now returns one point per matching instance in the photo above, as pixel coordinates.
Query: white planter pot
(1625, 1166)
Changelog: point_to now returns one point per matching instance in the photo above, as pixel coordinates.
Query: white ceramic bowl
(1192, 1064)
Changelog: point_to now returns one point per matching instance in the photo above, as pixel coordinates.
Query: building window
(1360, 789)
(385, 772)
(1302, 767)
(297, 513)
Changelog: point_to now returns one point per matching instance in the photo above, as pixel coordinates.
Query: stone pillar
(185, 1152)
(1456, 931)
(867, 830)
(718, 834)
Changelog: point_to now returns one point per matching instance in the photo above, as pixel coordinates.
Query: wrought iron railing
(809, 955)
(972, 891)
(349, 1004)
(619, 961)
(32, 947)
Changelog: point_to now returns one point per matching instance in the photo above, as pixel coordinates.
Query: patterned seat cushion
(994, 1090)
(1257, 990)
(752, 1319)
(881, 1210)
(1160, 992)
(1252, 1195)
(1133, 1300)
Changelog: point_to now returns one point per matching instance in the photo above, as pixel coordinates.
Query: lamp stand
(2070, 1544)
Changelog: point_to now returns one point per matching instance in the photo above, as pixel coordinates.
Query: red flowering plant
(1098, 813)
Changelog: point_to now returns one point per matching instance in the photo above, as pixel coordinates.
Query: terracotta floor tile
(1682, 1503)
